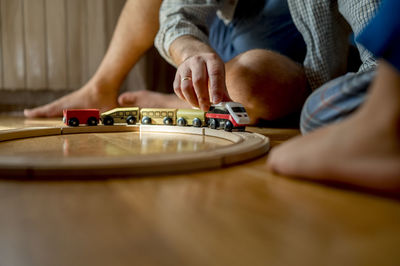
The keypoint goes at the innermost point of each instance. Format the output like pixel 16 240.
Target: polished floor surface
pixel 239 215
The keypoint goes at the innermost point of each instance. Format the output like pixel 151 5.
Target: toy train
pixel 225 115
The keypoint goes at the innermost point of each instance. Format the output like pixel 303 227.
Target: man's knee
pixel 268 83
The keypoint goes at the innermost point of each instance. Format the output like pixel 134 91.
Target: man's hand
pixel 200 78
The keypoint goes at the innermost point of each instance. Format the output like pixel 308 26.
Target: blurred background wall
pixel 51 47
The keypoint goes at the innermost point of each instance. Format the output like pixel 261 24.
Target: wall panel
pixel 76 43
pixel 35 44
pixel 13 50
pixel 96 33
pixel 1 47
pixel 56 43
pixel 113 10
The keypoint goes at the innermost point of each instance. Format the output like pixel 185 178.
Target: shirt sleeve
pixel 184 17
pixel 325 26
pixel 382 35
pixel 358 13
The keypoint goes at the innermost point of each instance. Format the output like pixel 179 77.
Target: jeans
pixel 335 100
pixel 272 29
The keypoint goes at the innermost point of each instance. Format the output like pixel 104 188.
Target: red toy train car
pixel 75 117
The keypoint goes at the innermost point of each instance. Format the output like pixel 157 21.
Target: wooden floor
pixel 241 215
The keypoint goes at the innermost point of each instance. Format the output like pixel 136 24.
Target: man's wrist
pixel 187 46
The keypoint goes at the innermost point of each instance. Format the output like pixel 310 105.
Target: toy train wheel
pixel 92 121
pixel 181 121
pixel 146 120
pixel 167 121
pixel 73 122
pixel 228 126
pixel 131 120
pixel 214 123
pixel 197 122
pixel 108 121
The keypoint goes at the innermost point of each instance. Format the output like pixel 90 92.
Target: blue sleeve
pixel 382 35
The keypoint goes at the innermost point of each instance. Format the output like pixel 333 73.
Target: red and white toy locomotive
pixel 228 115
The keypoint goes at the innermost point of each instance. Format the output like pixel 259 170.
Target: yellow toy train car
pixel 191 117
pixel 154 116
pixel 128 115
pixel 158 116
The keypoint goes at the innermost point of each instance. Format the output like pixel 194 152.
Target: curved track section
pixel 245 146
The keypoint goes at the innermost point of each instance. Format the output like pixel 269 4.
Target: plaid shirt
pixel 324 24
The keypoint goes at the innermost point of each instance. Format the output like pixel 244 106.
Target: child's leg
pixel 335 100
pixel 362 150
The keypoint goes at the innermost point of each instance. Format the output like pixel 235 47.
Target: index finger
pixel 216 79
pixel 199 78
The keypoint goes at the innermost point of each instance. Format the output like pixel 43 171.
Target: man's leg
pixel 134 35
pixel 362 150
pixel 268 84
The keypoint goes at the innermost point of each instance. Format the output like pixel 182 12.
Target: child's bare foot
pixel 89 96
pixel 151 99
pixel 353 152
pixel 363 150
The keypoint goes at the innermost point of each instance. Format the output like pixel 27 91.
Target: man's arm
pixel 182 40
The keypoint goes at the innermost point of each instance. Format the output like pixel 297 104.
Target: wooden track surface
pixel 147 149
pixel 239 215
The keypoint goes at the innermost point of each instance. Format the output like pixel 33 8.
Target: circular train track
pixel 240 147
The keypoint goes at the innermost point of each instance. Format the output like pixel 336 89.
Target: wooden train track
pixel 245 146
